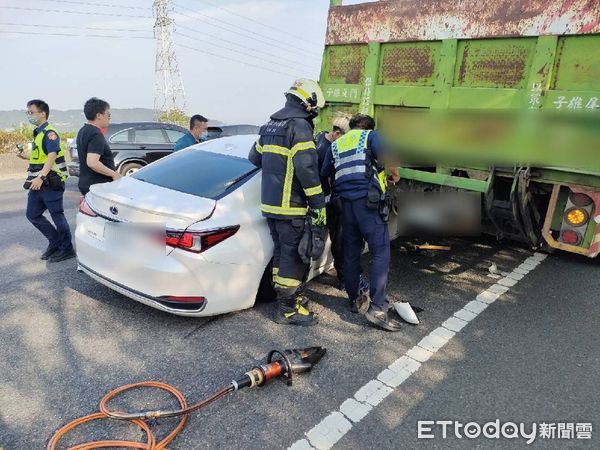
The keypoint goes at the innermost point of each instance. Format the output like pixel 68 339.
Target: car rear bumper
pixel 225 287
pixel 139 296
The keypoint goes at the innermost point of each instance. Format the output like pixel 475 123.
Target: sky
pixel 246 53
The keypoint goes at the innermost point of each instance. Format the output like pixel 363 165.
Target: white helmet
pixel 308 91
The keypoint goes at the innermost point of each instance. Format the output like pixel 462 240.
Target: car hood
pixel 136 201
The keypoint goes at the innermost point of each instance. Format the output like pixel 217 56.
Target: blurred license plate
pixel 145 241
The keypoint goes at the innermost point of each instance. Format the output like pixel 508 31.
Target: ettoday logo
pixel 432 429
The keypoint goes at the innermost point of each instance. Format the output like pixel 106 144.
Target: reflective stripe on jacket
pixel 354 163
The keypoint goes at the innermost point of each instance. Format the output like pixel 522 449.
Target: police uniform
pixel 50 195
pixel 353 158
pixel 286 153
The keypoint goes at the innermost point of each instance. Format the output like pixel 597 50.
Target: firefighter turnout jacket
pixel 286 153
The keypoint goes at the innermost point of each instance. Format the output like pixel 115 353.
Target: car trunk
pixel 135 201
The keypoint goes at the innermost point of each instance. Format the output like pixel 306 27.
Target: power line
pixel 62 11
pixel 73 2
pixel 40 25
pixel 266 25
pixel 296 62
pixel 147 38
pixel 270 43
pixel 277 63
pixel 287 48
pixel 74 35
pixel 237 61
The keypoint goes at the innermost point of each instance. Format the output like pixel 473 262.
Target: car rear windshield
pixel 201 173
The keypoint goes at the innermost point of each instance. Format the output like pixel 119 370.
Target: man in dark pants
pixel 355 158
pixel 46 184
pixel 290 188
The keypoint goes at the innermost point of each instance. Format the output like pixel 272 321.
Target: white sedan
pixel 185 234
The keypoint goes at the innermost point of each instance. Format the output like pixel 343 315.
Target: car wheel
pixel 266 292
pixel 129 168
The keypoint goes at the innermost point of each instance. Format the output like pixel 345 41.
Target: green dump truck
pixel 500 98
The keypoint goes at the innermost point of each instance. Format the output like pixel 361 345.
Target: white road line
pixel 332 428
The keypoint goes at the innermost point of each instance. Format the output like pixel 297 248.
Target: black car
pixel 136 144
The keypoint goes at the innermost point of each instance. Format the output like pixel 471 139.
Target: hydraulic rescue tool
pixel 284 363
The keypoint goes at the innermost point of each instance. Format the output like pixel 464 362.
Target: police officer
pixel 46 184
pixel 291 190
pixel 360 181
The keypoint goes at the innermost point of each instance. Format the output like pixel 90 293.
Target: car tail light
pixel 199 241
pixel 571 237
pixel 84 208
pixel 576 216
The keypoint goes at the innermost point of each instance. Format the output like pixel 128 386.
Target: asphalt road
pixel 531 356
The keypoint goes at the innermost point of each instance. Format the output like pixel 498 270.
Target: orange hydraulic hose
pixel 151 443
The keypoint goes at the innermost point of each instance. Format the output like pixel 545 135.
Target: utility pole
pixel 169 95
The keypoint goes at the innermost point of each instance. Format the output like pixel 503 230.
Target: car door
pixel 152 141
pixel 174 134
pixel 120 139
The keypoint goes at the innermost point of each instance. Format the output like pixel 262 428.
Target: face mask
pixel 314 112
pixel 32 120
pixel 203 136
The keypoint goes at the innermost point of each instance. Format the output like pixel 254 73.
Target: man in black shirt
pixel 96 162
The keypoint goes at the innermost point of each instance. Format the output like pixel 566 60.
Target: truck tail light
pixel 576 216
pixel 199 241
pixel 580 199
pixel 571 237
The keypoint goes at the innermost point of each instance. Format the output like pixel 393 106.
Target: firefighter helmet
pixel 308 91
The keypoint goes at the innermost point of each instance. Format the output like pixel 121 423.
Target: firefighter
pixel 360 181
pixel 291 191
pixel 46 184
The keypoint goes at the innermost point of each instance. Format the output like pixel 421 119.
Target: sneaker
pixel 381 320
pixel 48 252
pixel 298 315
pixel 360 304
pixel 62 255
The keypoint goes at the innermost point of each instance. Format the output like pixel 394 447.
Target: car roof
pixel 238 145
pixel 122 125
